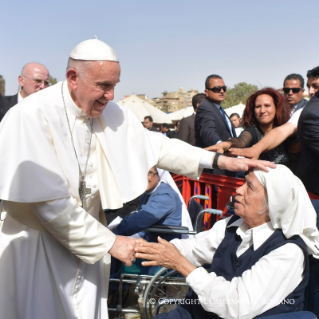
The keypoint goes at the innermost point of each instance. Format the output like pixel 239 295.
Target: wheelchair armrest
pixel 167 229
pixel 201 197
pixel 202 212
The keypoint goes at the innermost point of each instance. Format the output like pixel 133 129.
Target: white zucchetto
pixel 93 50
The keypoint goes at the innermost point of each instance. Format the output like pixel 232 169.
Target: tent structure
pixel 239 108
pixel 178 115
pixel 141 109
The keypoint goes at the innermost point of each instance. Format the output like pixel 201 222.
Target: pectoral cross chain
pixel 83 191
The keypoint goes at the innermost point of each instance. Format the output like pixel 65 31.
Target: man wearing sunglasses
pixel 305 123
pixel 294 90
pixel 212 124
pixel 34 77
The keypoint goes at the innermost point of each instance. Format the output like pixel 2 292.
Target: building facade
pixel 174 101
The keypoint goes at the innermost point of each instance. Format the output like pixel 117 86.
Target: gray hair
pixel 81 65
pixel 265 207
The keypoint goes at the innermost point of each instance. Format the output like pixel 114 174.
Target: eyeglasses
pixel 217 89
pixel 150 173
pixel 294 90
pixel 38 81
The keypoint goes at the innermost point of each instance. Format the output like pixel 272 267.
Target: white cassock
pixel 54 260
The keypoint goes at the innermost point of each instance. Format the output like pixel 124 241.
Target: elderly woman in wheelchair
pixel 258 258
pixel 160 205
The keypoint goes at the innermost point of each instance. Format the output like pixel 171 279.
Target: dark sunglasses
pixel 217 89
pixel 294 90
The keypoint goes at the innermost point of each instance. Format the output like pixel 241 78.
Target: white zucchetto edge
pixel 93 50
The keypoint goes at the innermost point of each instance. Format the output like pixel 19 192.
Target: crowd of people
pixel 271 127
pixel 69 154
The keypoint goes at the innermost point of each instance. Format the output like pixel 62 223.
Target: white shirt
pixel 238 130
pixel 259 289
pixel 20 98
pixel 295 117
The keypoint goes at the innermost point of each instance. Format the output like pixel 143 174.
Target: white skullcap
pixel 93 50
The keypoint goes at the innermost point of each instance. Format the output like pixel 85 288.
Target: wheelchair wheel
pixel 166 284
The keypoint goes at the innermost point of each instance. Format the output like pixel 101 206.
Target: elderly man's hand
pixel 164 254
pixel 123 249
pixel 242 164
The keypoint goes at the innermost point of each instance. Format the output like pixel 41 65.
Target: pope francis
pixel 67 153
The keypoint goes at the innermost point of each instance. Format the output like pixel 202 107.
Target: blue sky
pixel 164 45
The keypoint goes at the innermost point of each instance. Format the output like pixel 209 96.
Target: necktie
pixel 225 119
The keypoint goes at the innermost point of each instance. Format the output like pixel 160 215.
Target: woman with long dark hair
pixel 265 110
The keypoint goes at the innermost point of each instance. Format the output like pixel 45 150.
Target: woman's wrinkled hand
pixel 163 254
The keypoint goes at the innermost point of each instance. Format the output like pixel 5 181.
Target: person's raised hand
pixel 249 152
pixel 163 254
pixel 123 250
pixel 219 148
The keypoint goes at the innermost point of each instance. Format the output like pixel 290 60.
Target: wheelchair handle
pixel 209 211
pixel 202 197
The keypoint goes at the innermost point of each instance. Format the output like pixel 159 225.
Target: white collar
pixel 20 98
pixel 69 103
pixel 258 234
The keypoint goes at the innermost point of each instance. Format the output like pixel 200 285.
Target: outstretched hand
pixel 163 254
pixel 243 164
pixel 219 148
pixel 123 250
pixel 248 152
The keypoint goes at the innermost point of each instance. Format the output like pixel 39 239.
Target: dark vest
pixel 228 265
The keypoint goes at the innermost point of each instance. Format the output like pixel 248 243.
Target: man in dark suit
pixel 212 124
pixel 166 131
pixel 308 131
pixel 186 131
pixel 148 123
pixel 294 90
pixel 34 77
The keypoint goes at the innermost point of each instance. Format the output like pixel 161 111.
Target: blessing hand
pixel 242 164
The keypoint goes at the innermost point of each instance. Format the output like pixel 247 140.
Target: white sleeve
pixel 295 117
pixel 74 228
pixel 259 289
pixel 201 248
pixel 206 160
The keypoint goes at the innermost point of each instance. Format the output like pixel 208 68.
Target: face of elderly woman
pixel 251 202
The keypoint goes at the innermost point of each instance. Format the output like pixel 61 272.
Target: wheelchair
pixel 165 290
pixel 165 283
